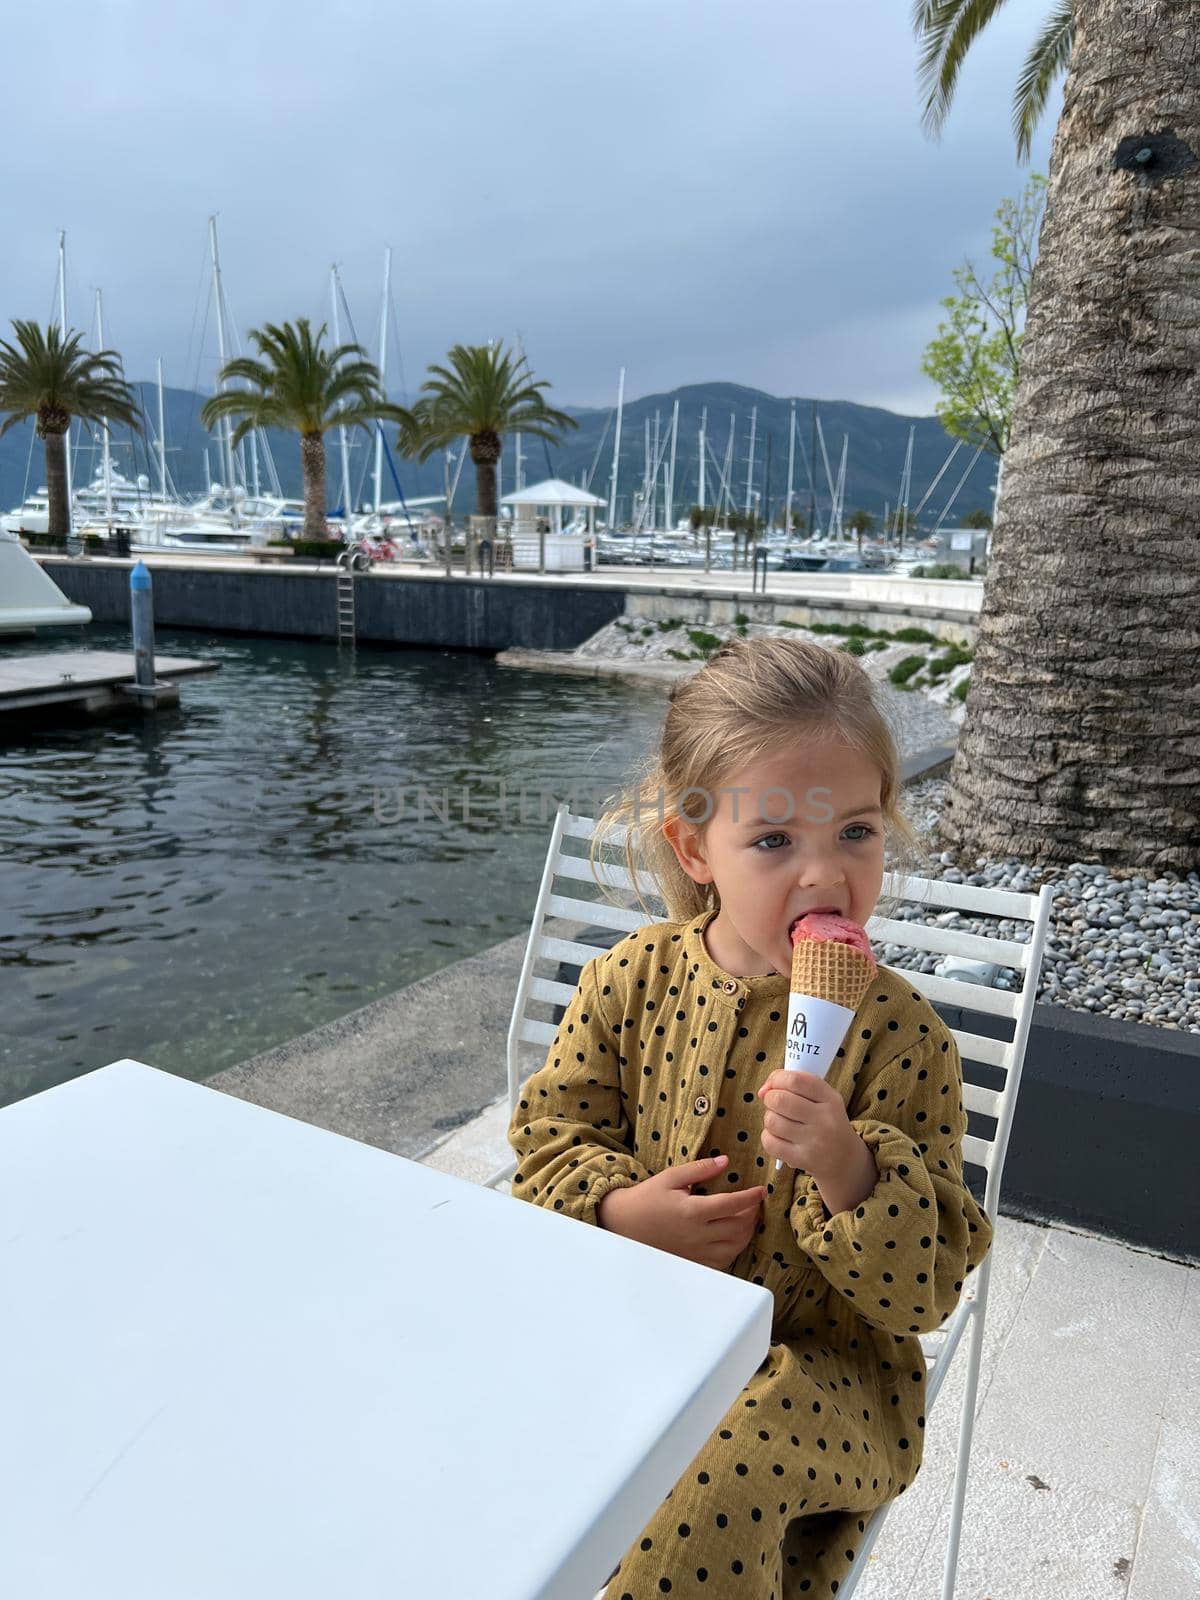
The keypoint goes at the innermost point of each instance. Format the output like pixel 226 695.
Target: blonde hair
pixel 749 695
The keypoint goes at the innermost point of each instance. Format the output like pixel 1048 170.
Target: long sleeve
pixel 901 1257
pixel 571 1137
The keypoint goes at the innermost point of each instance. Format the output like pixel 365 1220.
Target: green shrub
pixel 903 670
pixel 785 623
pixel 680 655
pixel 877 644
pixel 666 624
pixel 94 544
pixel 959 691
pixel 853 647
pixel 939 569
pixel 859 630
pixel 915 636
pixel 741 619
pixel 317 549
pixel 704 642
pixel 646 632
pixel 954 657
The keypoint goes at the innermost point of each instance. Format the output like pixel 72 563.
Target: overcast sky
pixel 694 189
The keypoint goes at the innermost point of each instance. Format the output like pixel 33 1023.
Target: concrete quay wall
pixel 424 611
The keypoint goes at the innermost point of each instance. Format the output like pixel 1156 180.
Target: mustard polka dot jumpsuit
pixel 657 1061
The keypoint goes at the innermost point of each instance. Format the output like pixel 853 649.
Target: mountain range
pixel 876 443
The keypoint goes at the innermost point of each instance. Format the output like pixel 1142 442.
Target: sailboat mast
pixel 612 488
pixel 787 514
pixel 841 495
pixel 105 445
pixel 750 460
pixel 162 436
pixel 62 325
pixel 337 339
pixel 226 425
pixel 383 314
pixel 703 447
pixel 905 483
pixel 670 517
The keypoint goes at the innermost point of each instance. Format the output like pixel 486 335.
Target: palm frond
pixel 1049 56
pixel 47 372
pixel 479 389
pixel 295 382
pixel 946 30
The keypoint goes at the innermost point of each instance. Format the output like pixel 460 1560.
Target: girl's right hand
pixel 712 1229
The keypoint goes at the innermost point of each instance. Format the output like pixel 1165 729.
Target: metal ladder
pixel 345 607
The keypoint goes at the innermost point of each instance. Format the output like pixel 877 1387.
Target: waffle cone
pixel 831 971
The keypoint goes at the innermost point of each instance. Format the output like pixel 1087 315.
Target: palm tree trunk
pixel 485 488
pixel 312 467
pixel 59 513
pixel 1081 740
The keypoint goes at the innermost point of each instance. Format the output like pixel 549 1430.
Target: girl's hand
pixel 806 1123
pixel 712 1229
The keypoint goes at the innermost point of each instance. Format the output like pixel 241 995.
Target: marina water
pixel 199 885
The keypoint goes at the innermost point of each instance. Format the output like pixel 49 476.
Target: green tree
pixel 50 378
pixel 975 357
pixel 483 393
pixel 946 30
pixel 861 522
pixel 977 519
pixel 296 383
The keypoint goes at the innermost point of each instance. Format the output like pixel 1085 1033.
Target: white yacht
pixel 31 516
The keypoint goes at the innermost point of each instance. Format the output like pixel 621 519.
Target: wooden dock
pixel 91 682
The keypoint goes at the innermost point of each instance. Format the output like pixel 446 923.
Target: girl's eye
pixel 864 829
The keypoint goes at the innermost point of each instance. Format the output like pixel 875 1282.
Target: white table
pixel 242 1358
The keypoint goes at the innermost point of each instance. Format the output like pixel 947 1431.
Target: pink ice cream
pixel 822 927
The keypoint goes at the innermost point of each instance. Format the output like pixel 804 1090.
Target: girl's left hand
pixel 806 1122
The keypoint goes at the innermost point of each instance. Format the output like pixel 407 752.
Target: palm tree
pixel 1082 728
pixel 483 393
pixel 49 377
pixel 296 383
pixel 948 28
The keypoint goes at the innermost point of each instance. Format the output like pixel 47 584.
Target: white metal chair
pixel 566 891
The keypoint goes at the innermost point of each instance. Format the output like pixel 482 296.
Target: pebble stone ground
pixel 1121 943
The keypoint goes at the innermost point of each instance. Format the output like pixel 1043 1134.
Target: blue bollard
pixel 141 599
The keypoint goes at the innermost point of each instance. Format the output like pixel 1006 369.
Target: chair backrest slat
pixel 601 911
pixel 978 1047
pixel 580 868
pixel 954 992
pixel 949 941
pixel 571 866
pixel 950 896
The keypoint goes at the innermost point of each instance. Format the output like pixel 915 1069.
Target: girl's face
pixel 798 831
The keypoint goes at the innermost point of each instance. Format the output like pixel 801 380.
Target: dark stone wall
pixel 456 613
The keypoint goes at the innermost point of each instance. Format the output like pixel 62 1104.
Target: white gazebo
pixel 538 525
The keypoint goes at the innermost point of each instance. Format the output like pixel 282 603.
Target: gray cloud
pixel 694 190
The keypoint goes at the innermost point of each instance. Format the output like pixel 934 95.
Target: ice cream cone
pixel 832 969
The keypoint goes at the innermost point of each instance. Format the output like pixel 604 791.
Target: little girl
pixel 663 1104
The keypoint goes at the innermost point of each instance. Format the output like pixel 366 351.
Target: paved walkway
pixel 1085 1470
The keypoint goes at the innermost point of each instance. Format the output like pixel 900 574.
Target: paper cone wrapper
pixel 828 983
